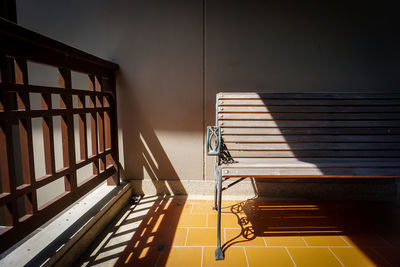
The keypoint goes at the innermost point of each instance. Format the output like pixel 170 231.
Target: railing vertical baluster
pixel 26 142
pixel 82 129
pixel 112 134
pixel 93 124
pixel 48 135
pixel 100 123
pixel 67 129
pixel 12 207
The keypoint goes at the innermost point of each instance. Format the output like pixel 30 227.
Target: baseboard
pixel 329 189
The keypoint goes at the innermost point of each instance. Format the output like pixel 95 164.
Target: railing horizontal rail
pixel 21 114
pixel 51 90
pixel 77 129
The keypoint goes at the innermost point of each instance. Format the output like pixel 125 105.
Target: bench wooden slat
pixel 301 102
pixel 311 131
pixel 314 154
pixel 312 146
pixel 307 124
pixel 315 171
pixel 308 95
pixel 326 164
pixel 277 161
pixel 310 138
pixel 309 116
pixel 309 109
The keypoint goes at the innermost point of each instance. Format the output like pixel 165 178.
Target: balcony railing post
pixel 109 85
pixel 67 128
pixel 11 209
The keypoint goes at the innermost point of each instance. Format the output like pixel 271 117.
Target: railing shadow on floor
pixel 152 240
pixel 141 236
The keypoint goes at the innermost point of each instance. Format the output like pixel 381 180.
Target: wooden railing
pixel 78 109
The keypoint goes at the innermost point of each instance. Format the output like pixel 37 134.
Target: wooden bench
pixel 320 135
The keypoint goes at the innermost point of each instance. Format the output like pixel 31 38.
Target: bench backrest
pixel 309 125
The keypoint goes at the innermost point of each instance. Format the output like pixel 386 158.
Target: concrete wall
pixel 176 55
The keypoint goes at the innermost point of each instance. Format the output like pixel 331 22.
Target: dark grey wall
pixel 176 55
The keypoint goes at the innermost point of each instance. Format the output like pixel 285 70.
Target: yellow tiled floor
pixel 313 257
pixel 182 232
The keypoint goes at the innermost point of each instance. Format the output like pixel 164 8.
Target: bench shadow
pixel 370 226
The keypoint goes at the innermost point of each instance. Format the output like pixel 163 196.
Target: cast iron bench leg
pixel 217 173
pixel 219 255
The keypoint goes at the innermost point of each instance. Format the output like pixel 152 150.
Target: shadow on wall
pixel 142 147
pixel 334 130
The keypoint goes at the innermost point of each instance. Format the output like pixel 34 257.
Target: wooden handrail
pixel 14 31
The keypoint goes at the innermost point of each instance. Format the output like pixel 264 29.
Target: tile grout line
pixel 187 234
pixel 224 234
pixel 345 241
pixel 336 256
pixel 305 241
pixel 385 240
pixel 270 246
pixel 290 255
pixel 381 256
pixel 198 227
pixel 202 255
pixel 158 259
pixel 245 256
pixel 265 242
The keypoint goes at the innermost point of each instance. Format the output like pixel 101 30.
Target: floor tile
pixel 366 240
pixel 260 257
pixel 236 237
pixel 146 256
pixel 355 257
pixel 330 240
pixel 203 237
pixel 168 237
pixel 192 220
pixel 391 255
pixel 203 208
pixel 181 256
pixel 393 238
pixel 233 257
pixel 174 233
pixel 179 207
pixel 287 241
pixel 227 220
pixel 309 257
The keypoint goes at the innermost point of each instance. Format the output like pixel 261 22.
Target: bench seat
pixel 303 135
pixel 366 169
